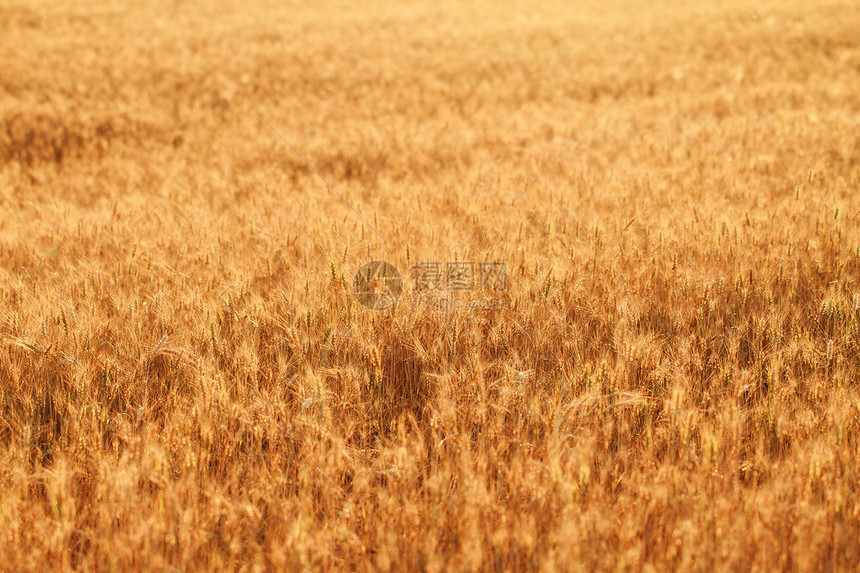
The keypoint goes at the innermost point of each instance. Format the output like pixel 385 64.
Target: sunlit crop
pixel 668 381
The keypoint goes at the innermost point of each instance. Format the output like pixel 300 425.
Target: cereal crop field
pixel 626 334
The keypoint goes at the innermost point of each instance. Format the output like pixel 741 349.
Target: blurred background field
pixel 187 381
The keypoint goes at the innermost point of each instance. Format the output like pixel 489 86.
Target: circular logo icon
pixel 377 285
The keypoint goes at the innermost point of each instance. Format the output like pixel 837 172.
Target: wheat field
pixel 189 381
